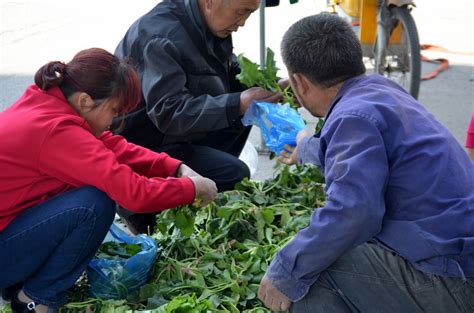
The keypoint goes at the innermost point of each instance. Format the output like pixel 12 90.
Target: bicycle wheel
pixel 400 58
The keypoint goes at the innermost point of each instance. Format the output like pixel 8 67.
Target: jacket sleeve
pixel 308 151
pixel 170 105
pixel 73 155
pixel 356 174
pixel 142 160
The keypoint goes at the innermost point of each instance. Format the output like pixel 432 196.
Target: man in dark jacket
pixel 192 104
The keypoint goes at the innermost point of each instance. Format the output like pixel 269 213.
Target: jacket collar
pixel 192 9
pixel 344 88
pixel 55 92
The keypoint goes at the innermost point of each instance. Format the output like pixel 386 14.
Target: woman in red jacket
pixel 62 173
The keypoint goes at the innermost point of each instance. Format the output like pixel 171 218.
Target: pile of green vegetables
pixel 213 258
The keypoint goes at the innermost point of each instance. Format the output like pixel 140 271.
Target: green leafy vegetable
pixel 266 78
pixel 114 250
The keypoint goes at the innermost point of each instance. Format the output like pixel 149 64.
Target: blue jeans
pixel 49 245
pixel 371 279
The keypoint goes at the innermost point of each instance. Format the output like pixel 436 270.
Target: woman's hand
pixel 206 190
pixel 185 171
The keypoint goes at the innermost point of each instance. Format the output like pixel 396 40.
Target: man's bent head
pixel 223 17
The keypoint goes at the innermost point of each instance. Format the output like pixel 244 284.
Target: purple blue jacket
pixel 393 174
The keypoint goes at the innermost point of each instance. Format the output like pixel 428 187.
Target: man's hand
pixel 206 190
pixel 272 297
pixel 288 155
pixel 283 83
pixel 257 93
pixel 185 171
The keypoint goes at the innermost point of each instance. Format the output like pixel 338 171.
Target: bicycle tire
pixel 396 57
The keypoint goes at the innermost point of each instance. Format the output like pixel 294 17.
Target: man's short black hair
pixel 324 48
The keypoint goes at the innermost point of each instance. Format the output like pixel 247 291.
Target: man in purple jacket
pixel 397 231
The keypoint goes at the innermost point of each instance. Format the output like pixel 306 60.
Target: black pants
pixel 215 157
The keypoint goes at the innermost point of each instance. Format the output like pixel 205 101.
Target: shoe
pixel 138 223
pixel 22 307
pixel 9 292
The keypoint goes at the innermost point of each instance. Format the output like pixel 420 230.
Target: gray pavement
pixel 33 32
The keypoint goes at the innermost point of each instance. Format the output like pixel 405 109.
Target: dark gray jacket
pixel 187 75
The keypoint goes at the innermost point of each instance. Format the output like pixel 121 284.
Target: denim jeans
pixel 49 245
pixel 371 279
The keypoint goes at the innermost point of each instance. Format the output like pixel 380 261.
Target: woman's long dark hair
pixel 96 72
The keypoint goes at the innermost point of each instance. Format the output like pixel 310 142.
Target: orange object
pixel 368 22
pixel 351 7
pixel 443 63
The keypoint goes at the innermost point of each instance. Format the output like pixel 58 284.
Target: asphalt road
pixel 33 32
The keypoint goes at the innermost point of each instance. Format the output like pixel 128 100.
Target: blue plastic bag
pixel 279 124
pixel 115 279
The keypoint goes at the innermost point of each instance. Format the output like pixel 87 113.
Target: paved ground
pixel 34 32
